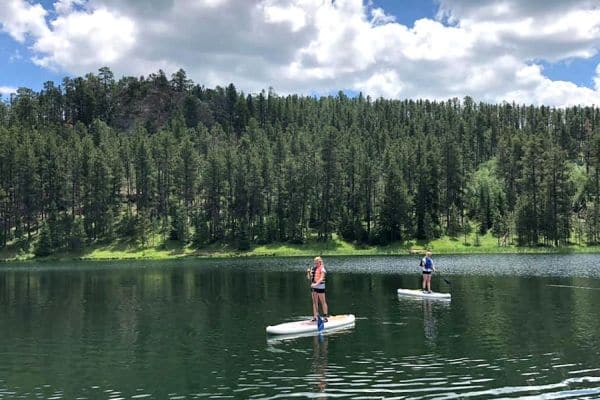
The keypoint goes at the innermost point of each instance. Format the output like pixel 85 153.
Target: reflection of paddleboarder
pixel 320 362
pixel 429 323
pixel 316 275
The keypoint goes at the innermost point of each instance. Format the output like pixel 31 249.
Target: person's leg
pixel 424 281
pixel 314 304
pixel 429 282
pixel 324 307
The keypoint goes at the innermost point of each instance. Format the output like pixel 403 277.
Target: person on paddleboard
pixel 316 275
pixel 428 268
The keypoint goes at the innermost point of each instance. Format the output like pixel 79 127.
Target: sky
pixel 530 52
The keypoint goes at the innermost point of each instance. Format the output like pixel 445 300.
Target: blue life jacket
pixel 428 264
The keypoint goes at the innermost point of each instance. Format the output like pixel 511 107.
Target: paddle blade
pixel 320 324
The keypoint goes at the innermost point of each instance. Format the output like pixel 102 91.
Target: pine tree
pixel 145 173
pixel 329 198
pixel 528 210
pixel 393 213
pixel 453 182
pixel 28 189
pixel 43 246
pixel 143 228
pixel 213 186
pixel 593 192
pixel 4 223
pixel 179 229
pixel 558 190
pixel 77 237
pixel 201 234
pixel 187 171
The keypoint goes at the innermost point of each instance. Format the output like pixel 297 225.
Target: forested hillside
pixel 98 160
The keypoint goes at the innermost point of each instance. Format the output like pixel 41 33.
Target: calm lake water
pixel 517 327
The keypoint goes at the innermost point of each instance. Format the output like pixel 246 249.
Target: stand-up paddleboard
pixel 425 295
pixel 273 339
pixel 308 326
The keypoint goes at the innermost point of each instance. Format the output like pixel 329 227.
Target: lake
pixel 517 326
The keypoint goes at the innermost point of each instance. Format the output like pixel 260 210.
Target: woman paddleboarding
pixel 316 275
pixel 428 268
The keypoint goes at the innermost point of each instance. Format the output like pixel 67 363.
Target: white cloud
pixel 489 50
pixel 66 6
pixel 19 18
pixel 79 41
pixel 295 16
pixel 458 10
pixel 378 16
pixel 387 83
pixel 7 90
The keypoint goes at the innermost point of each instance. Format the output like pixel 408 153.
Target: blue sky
pixel 17 70
pixel 576 70
pixel 517 52
pixel 408 11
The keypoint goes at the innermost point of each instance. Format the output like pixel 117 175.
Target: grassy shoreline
pixel 171 251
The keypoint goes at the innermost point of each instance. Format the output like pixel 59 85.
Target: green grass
pixel 488 244
pixel 160 250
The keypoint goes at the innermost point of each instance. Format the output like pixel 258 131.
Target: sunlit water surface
pixel 516 327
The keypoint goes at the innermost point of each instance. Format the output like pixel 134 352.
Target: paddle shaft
pixel 445 280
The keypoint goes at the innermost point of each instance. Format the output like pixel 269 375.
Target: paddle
pixel 445 280
pixel 320 324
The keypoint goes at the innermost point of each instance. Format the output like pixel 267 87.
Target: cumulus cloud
pixel 490 50
pixel 66 6
pixel 80 40
pixel 378 16
pixel 7 90
pixel 19 19
pixel 459 10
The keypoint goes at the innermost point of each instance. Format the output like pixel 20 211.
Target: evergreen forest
pixel 95 159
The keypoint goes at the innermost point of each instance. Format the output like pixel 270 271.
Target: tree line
pixel 98 160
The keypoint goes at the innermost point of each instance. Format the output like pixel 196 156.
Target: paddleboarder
pixel 428 268
pixel 316 275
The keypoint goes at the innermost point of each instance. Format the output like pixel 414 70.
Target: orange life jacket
pixel 318 275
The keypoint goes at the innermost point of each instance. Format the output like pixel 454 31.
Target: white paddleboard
pixel 273 339
pixel 308 326
pixel 420 293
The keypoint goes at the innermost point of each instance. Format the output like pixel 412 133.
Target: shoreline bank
pixel 172 251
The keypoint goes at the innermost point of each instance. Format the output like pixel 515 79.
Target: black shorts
pixel 318 290
pixel 426 272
